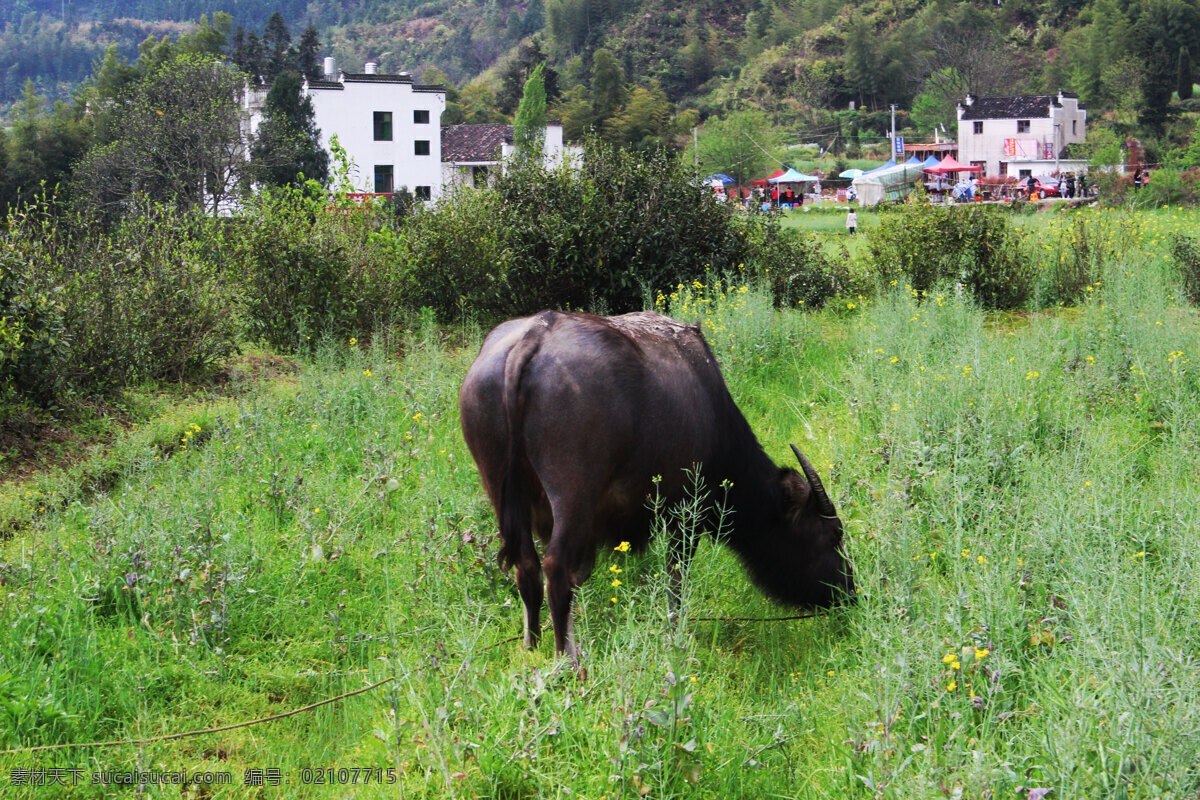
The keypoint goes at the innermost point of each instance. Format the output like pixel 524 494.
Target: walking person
pixel 851 222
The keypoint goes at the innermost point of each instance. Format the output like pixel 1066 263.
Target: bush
pixel 90 311
pixel 792 264
pixel 976 245
pixel 306 270
pixel 32 335
pixel 1185 252
pixel 602 235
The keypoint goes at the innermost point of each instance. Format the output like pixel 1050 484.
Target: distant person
pixel 851 222
pixel 1083 187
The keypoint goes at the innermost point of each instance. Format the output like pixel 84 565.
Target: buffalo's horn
pixel 824 504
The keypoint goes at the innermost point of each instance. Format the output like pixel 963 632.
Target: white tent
pixel 892 183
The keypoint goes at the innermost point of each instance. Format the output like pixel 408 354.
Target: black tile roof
pixel 369 77
pixel 1021 106
pixel 475 142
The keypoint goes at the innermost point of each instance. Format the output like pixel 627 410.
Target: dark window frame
pixel 423 192
pixel 417 147
pixel 421 116
pixel 1023 126
pixel 978 128
pixel 381 125
pixel 387 172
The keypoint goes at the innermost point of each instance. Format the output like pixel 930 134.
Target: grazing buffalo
pixel 571 417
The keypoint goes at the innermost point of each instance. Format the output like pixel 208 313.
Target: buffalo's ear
pixel 795 493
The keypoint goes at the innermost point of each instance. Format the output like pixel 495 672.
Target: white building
pixel 1021 135
pixel 390 128
pixel 472 153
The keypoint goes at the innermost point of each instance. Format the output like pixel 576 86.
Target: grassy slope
pixel 1020 498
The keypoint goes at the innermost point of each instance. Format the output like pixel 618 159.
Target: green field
pixel 1022 512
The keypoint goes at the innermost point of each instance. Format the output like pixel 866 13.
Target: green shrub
pixel 453 256
pixel 150 301
pixel 89 311
pixel 1185 252
pixel 1075 252
pixel 306 270
pixel 978 246
pixel 603 235
pixel 32 334
pixel 792 264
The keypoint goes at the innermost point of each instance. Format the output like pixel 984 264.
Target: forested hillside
pixel 643 72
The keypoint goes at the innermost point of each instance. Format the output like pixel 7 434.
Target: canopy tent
pixel 932 161
pixel 892 183
pixel 719 178
pixel 792 176
pixel 914 160
pixel 774 174
pixel 851 174
pixel 951 164
pixel 888 165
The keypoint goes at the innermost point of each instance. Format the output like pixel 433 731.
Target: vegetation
pixel 643 75
pixel 1021 512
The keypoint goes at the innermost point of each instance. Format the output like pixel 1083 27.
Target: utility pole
pixel 1057 125
pixel 696 145
pixel 893 128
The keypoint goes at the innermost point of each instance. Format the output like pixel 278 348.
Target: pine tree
pixel 1185 73
pixel 308 55
pixel 529 127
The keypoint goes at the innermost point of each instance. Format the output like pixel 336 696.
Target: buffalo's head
pixel 800 561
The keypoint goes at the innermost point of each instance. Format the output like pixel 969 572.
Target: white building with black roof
pixel 1021 135
pixel 389 126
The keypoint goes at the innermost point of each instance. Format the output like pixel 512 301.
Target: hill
pixel 803 63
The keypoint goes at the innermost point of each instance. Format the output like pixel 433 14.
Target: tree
pixel 308 55
pixel 643 124
pixel 176 140
pixel 529 127
pixel 288 144
pixel 514 75
pixel 1185 85
pixel 607 84
pixel 277 47
pixel 734 145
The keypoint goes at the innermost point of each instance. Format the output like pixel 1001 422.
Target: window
pixel 383 126
pixel 479 176
pixel 982 168
pixel 978 126
pixel 421 117
pixel 423 192
pixel 384 179
pixel 421 147
pixel 1074 131
pixel 1003 169
pixel 1025 173
pixel 1022 126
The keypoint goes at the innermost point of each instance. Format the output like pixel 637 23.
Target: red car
pixel 1047 187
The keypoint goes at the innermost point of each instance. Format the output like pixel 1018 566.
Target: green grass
pixel 1021 504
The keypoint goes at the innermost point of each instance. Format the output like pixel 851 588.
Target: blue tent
pixel 890 163
pixel 913 160
pixel 792 176
pixel 932 161
pixel 719 177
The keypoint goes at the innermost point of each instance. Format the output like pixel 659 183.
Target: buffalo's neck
pixel 753 495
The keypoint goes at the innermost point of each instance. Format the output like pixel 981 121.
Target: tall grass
pixel 1020 500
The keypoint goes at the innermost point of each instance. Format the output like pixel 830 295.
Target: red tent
pixel 774 174
pixel 950 164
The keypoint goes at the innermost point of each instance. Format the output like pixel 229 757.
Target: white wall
pixel 988 146
pixel 349 113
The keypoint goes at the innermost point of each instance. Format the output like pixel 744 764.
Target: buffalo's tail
pixel 516 527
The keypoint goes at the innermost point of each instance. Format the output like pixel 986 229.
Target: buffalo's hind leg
pixel 529 584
